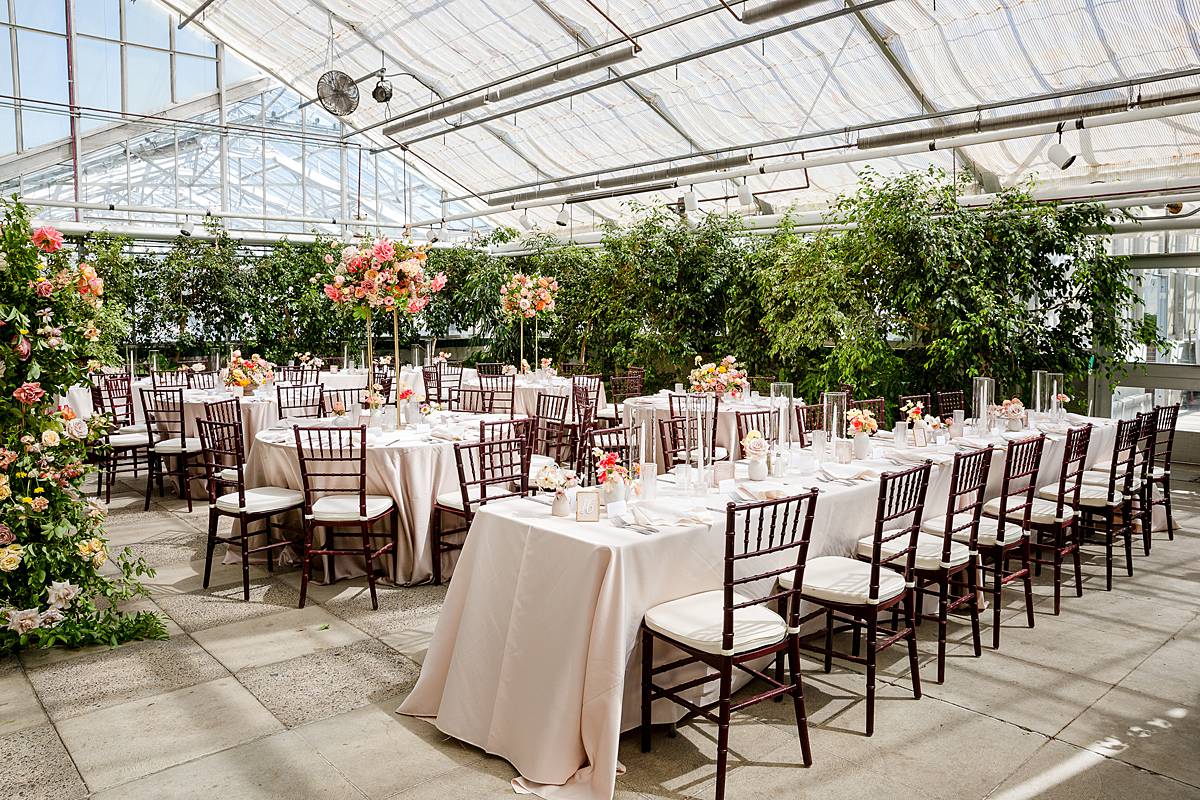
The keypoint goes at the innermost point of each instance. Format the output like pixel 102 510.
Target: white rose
pixel 77 429
pixel 50 617
pixel 24 621
pixel 50 438
pixel 61 594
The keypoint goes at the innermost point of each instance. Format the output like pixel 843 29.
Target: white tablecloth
pixel 409 466
pixel 536 655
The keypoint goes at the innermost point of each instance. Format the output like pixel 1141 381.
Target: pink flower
pixel 328 258
pixel 23 348
pixel 44 288
pixel 39 504
pixel 417 304
pixel 439 282
pixel 6 535
pixel 29 393
pixel 383 250
pixel 47 239
pixel 332 292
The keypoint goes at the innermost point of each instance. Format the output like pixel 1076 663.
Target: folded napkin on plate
pixel 853 472
pixel 919 455
pixel 882 434
pixel 1053 427
pixel 755 491
pixel 449 435
pixel 655 516
pixel 978 442
pixel 1018 436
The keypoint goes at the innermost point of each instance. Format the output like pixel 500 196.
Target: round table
pixel 411 466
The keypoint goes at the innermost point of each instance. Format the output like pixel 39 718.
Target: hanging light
pixel 745 196
pixel 188 228
pixel 564 216
pixel 690 204
pixel 1058 154
pixel 525 220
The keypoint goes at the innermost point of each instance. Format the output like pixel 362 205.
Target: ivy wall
pixel 909 292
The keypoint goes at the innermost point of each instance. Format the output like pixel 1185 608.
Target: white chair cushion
pixel 451 499
pixel 988 529
pixel 344 507
pixel 609 412
pixel 138 428
pixel 1089 496
pixel 844 580
pixel 188 445
pixel 128 440
pixel 229 474
pixel 1105 466
pixel 262 499
pixel 536 462
pixel 1044 512
pixel 697 621
pixel 929 551
pixel 1095 477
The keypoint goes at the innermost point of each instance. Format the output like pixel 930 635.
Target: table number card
pixel 920 437
pixel 587 505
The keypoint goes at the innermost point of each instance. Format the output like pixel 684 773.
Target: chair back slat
pixel 1021 466
pixel 348 399
pixel 118 399
pixel 1074 464
pixel 765 421
pixel 585 396
pixel 950 401
pixel 571 369
pixel 1166 418
pixel 1124 455
pixel 489 368
pixel 491 470
pixel 303 401
pixel 168 379
pixel 809 418
pixel 968 487
pixel 499 393
pixel 333 460
pixel 901 497
pixel 222 447
pixel 164 413
pixel 776 532
pixel 225 411
pixel 876 406
pixel 204 379
pixel 701 409
pixel 301 374
pixel 924 399
pixel 551 437
pixel 623 387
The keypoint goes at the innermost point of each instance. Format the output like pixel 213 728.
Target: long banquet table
pixel 536 656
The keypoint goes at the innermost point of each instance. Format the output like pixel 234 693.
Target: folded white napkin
pixel 919 455
pixel 1018 436
pixel 854 472
pixel 881 434
pixel 978 442
pixel 1053 427
pixel 755 491
pixel 448 434
pixel 656 516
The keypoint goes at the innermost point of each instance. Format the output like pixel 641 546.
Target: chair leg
pixel 306 562
pixel 973 588
pixel 723 725
pixel 1027 581
pixel 911 636
pixel 366 544
pixel 149 482
pixel 943 613
pixel 798 698
pixel 1108 555
pixel 782 610
pixel 245 558
pixel 435 544
pixel 1127 528
pixel 647 667
pixel 828 640
pixel 1077 556
pixel 1147 515
pixel 213 519
pixel 1060 543
pixel 872 623
pixel 395 547
pixel 997 592
pixel 1166 487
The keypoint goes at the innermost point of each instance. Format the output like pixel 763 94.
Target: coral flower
pixel 47 239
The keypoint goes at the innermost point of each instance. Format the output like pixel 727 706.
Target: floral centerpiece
pixel 52 542
pixel 248 374
pixel 527 297
pixel 553 478
pixel 913 411
pixel 376 275
pixel 861 420
pixel 1012 412
pixel 611 475
pixel 307 359
pixel 546 365
pixel 440 358
pixel 726 377
pixel 756 448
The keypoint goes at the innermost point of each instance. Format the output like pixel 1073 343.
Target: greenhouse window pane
pixel 194 77
pixel 237 70
pixel 145 24
pixel 43 14
pixel 39 128
pixel 99 78
pixel 99 18
pixel 189 40
pixel 43 66
pixel 8 131
pixel 149 80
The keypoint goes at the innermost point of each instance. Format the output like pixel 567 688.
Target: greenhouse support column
pixel 395 352
pixel 73 103
pixel 224 136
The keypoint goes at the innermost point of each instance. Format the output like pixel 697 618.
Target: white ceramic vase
pixel 862 445
pixel 562 505
pixel 613 492
pixel 758 469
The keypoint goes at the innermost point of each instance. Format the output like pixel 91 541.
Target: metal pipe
pixel 72 98
pixel 199 9
pixel 665 24
pixel 745 40
pixel 1099 121
pixel 170 234
pixel 846 130
pixel 774 8
pixel 542 81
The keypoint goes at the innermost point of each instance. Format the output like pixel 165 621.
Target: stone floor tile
pixel 490 778
pixel 107 678
pixel 19 705
pixel 120 743
pixel 181 578
pixel 414 640
pixel 224 604
pixel 36 766
pixel 329 682
pixel 276 637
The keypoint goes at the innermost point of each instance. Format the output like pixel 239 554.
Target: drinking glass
pixel 1039 392
pixel 1055 383
pixel 781 437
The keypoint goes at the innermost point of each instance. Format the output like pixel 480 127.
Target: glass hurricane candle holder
pixel 836 404
pixel 1039 391
pixel 782 399
pixel 983 397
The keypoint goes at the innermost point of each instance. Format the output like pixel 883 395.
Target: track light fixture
pixel 564 216
pixel 526 220
pixel 745 196
pixel 382 92
pixel 690 204
pixel 1058 154
pixel 188 228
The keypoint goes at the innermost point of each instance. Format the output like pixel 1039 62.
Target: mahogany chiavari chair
pixel 300 402
pixel 300 374
pixel 809 417
pixel 167 443
pixel 950 401
pixel 1052 528
pixel 333 472
pixel 853 591
pixel 583 408
pixel 551 434
pixel 946 550
pixel 620 389
pixel 488 470
pixel 569 370
pixel 224 467
pixel 710 409
pixel 499 393
pixel 1107 510
pixel 384 382
pixel 673 440
pixel 228 412
pixel 593 384
pixel 848 388
pixel 118 404
pixel 489 368
pixel 765 421
pixel 349 399
pixel 1160 470
pixel 726 629
pixel 205 379
pixel 621 441
pixel 169 379
pixel 924 399
pixel 121 446
pixel 876 406
pixel 442 383
pixel 1007 538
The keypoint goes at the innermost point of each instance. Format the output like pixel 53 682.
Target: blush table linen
pixel 536 656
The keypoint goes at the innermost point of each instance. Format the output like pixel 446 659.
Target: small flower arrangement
pixel 404 394
pixel 913 411
pixel 509 369
pixel 198 367
pixel 1062 398
pixel 936 423
pixel 441 358
pixel 248 372
pixel 861 420
pixel 338 408
pixel 428 408
pixel 307 358
pixel 545 363
pixel 525 296
pixel 553 478
pixel 374 397
pixel 755 446
pixel 1009 409
pixel 725 377
pixel 609 468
